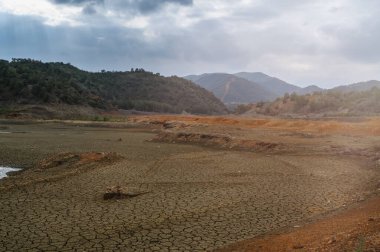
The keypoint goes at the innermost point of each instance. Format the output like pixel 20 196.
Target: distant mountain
pixel 193 77
pixel 232 89
pixel 25 81
pixel 360 86
pixel 275 85
pixel 245 87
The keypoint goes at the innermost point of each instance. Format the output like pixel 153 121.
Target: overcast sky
pixel 303 42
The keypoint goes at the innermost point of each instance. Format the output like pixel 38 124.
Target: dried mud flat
pixel 250 181
pixel 354 229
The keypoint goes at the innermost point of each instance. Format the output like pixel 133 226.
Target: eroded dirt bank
pixel 355 126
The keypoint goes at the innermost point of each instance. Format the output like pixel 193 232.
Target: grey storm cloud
pixel 89 10
pixel 88 5
pixel 303 42
pixel 360 44
pixel 85 47
pixel 146 6
pixel 142 6
pixel 76 2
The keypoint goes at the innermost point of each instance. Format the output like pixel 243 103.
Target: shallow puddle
pixel 5 170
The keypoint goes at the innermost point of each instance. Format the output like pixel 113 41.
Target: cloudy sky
pixel 306 42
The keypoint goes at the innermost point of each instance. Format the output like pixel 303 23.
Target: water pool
pixel 5 170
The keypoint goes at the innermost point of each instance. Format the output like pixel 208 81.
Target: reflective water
pixel 5 170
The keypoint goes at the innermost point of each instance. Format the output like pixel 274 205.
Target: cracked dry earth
pixel 199 198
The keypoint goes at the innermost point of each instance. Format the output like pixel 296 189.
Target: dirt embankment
pixel 191 129
pixel 217 140
pixel 59 166
pixel 363 126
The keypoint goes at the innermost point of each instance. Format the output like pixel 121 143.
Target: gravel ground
pixel 199 198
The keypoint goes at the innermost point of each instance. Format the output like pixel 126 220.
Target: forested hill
pixel 25 81
pixel 335 103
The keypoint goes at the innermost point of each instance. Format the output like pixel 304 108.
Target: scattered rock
pixel 117 193
pixel 332 240
pixel 298 246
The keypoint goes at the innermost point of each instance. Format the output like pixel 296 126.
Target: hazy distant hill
pixel 232 89
pixel 360 86
pixel 245 87
pixel 275 85
pixel 24 81
pixel 194 77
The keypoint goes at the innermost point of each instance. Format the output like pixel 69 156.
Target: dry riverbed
pixel 197 195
